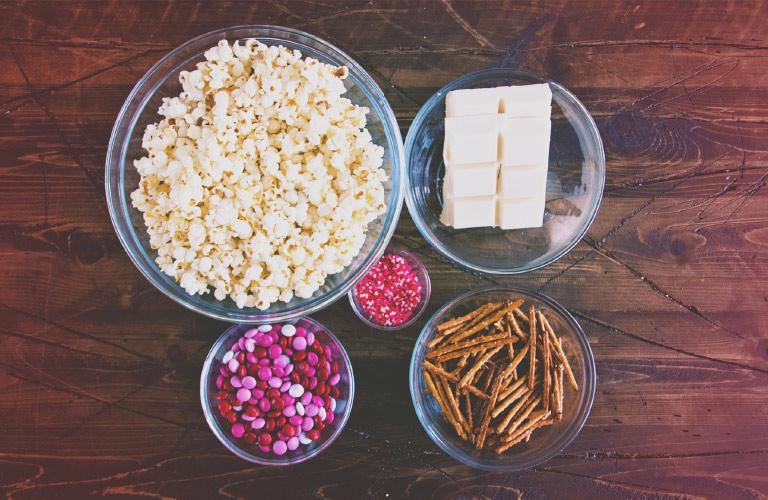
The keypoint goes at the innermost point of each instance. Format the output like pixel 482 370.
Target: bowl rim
pixel 600 167
pixel 426 293
pixel 589 368
pixel 220 434
pixel 118 206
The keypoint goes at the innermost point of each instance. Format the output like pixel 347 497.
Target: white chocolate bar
pixel 476 211
pixel 525 141
pixel 518 213
pixel 522 182
pixel 471 180
pixel 527 100
pixel 468 102
pixel 471 139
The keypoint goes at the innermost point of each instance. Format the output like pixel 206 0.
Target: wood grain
pixel 99 371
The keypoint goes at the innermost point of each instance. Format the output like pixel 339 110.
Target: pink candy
pixel 238 430
pixel 299 343
pixel 243 395
pixel 233 365
pixel 279 447
pixel 293 443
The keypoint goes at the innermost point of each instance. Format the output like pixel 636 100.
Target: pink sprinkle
pixel 390 292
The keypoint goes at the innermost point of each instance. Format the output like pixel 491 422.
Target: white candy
pixel 288 330
pixel 265 328
pixel 296 390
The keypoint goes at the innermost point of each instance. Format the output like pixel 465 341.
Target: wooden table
pixel 100 371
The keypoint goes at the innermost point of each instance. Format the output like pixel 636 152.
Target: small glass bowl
pixel 140 109
pixel 426 291
pixel 546 442
pixel 575 182
pixel 252 453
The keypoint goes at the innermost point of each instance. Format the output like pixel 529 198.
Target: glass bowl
pixel 426 291
pixel 252 453
pixel 546 442
pixel 140 109
pixel 575 182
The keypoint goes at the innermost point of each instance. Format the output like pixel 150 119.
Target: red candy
pixel 265 439
pixel 390 292
pixel 250 438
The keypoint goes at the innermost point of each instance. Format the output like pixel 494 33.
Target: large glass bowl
pixel 252 453
pixel 546 442
pixel 140 109
pixel 575 182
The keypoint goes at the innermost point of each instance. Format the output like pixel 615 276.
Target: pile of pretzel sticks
pixel 497 374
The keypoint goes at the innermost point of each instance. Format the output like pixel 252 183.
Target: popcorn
pixel 261 179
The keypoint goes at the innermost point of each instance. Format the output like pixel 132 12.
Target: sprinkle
pixel 390 292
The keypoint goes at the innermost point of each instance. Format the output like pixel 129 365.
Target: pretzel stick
pixel 513 396
pixel 526 412
pixel 559 406
pixel 441 403
pixel 508 332
pixel 487 311
pixel 547 384
pixel 460 365
pixel 468 405
pixel 461 319
pixel 518 331
pixel 504 447
pixel 533 420
pixel 488 378
pixel 453 404
pixel 444 332
pixel 487 414
pixel 460 354
pixel 512 367
pixel 560 353
pixel 513 387
pixel 451 417
pixel 512 412
pixel 449 376
pixel 464 345
pixel 520 314
pixel 471 351
pixel 486 322
pixel 532 349
pixel 480 362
